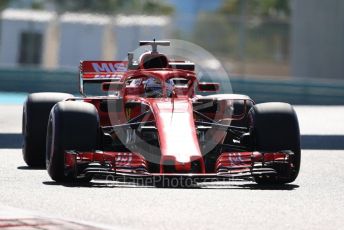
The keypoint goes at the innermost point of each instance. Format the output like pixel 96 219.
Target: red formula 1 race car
pixel 153 125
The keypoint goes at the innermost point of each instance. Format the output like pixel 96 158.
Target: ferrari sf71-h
pixel 154 123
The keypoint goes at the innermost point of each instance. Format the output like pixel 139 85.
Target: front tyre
pixel 72 126
pixel 275 127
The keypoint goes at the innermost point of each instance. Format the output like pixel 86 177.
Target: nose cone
pixel 177 135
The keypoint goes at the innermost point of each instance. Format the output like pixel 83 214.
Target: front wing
pixel 129 166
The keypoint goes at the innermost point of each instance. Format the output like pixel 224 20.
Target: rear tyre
pixel 34 125
pixel 275 128
pixel 72 126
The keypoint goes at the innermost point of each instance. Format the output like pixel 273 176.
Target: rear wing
pixel 100 71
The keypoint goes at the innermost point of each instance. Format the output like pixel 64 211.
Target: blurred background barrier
pixel 294 91
pixel 36 80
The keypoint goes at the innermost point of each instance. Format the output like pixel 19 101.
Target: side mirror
pixel 112 86
pixel 208 87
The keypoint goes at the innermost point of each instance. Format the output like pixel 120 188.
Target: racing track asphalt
pixel 314 201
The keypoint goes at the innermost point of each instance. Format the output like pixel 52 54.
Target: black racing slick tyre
pixel 36 111
pixel 275 127
pixel 72 125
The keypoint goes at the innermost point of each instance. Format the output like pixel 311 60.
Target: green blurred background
pixel 273 49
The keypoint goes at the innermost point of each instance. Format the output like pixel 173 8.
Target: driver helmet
pixel 153 87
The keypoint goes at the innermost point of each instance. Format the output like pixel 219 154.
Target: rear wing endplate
pixel 100 71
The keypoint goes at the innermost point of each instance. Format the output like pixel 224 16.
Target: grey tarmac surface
pixel 314 201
